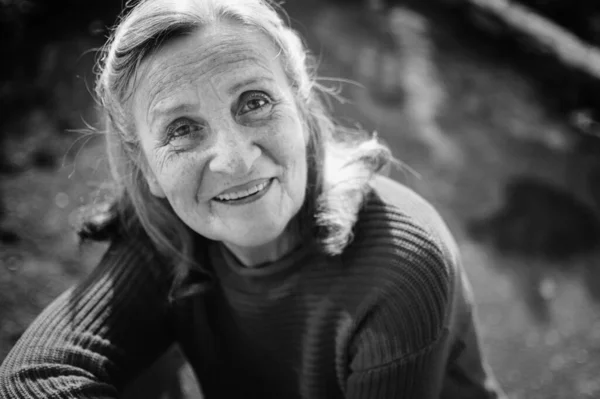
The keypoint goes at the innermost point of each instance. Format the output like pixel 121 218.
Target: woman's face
pixel 222 135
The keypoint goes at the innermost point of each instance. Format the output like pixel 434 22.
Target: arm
pixel 417 375
pixel 97 336
pixel 400 347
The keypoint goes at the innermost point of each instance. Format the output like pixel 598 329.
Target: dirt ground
pixel 460 118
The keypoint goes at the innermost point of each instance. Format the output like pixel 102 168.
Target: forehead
pixel 217 55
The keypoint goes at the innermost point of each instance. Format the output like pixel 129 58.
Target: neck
pixel 269 252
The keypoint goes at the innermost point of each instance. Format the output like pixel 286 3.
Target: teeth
pixel 242 193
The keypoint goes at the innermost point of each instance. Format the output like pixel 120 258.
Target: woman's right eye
pixel 182 128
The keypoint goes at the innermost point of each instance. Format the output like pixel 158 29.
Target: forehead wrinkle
pixel 170 71
pixel 216 82
pixel 167 78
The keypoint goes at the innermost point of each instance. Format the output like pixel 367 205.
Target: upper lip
pixel 242 187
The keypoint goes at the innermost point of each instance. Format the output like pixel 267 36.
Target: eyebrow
pixel 248 82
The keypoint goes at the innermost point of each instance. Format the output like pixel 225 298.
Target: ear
pixel 153 184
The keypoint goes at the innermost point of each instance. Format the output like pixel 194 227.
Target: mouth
pixel 246 195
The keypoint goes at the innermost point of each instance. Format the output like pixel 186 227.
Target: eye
pixel 182 128
pixel 254 101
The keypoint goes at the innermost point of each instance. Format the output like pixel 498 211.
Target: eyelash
pixel 255 95
pixel 171 132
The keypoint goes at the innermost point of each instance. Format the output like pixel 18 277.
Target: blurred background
pixel 491 105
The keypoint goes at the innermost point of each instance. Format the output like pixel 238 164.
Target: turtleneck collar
pixel 261 278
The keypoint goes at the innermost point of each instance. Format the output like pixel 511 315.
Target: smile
pixel 247 195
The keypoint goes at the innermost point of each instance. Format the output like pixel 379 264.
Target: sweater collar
pixel 278 275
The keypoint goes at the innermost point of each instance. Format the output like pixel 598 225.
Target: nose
pixel 235 151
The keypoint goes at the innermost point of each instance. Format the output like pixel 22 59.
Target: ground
pixel 463 122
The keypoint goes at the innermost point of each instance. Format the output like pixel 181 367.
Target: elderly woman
pixel 251 231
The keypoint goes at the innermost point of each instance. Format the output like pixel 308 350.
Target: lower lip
pixel 251 198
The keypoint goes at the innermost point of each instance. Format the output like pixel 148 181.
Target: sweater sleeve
pixel 95 337
pixel 417 375
pixel 400 347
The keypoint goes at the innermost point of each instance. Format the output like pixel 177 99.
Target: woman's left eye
pixel 254 101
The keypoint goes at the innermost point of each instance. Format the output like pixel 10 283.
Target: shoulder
pixel 129 264
pixel 394 200
pixel 407 262
pixel 396 219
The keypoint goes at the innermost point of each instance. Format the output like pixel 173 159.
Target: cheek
pixel 289 139
pixel 177 175
pixel 158 158
pixel 293 157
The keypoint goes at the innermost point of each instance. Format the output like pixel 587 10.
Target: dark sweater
pixel 389 318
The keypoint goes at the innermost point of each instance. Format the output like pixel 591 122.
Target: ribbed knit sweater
pixel 389 318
